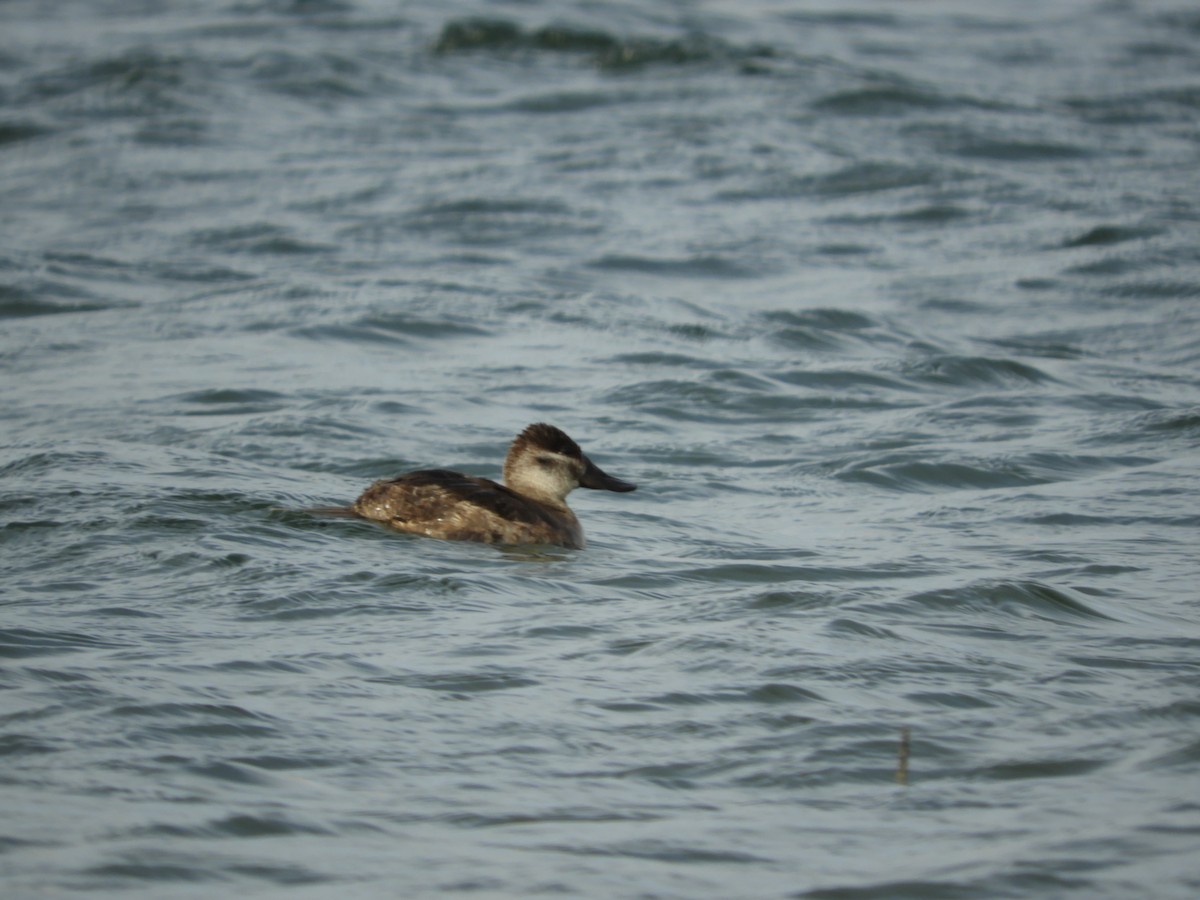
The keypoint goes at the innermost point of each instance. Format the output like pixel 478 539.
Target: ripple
pixel 707 266
pixel 793 599
pixel 1172 422
pixel 881 99
pixel 462 683
pixel 919 476
pixel 13 131
pixel 1044 347
pixel 315 77
pixel 49 299
pixel 749 573
pixel 254 826
pixel 951 700
pixel 15 744
pixel 494 221
pixel 1153 289
pixel 1040 768
pixel 137 82
pixel 304 605
pixel 1184 759
pixel 851 180
pixel 210 713
pixel 553 815
pixel 967 143
pixel 17 643
pixel 399 329
pixel 1021 599
pixel 156 866
pixel 1107 235
pixel 559 101
pixel 908 471
pixel 929 214
pixel 663 851
pixel 605 50
pixel 231 401
pixel 261 238
pixel 1148 107
pixel 718 397
pixel 972 371
pixel 823 330
pixel 770 694
pixel 664 358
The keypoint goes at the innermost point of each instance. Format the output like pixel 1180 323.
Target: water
pixel 889 309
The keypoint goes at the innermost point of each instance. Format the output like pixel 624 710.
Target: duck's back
pixel 453 506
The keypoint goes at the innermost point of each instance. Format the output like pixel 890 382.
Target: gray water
pixel 890 309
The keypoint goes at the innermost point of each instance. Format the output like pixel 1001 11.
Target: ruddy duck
pixel 543 465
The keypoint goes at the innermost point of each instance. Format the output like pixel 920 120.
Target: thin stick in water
pixel 902 757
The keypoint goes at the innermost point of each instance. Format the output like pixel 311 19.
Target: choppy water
pixel 890 309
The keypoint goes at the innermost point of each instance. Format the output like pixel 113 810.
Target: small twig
pixel 902 757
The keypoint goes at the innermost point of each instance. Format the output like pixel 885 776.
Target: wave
pixel 925 470
pixel 603 49
pixel 1004 599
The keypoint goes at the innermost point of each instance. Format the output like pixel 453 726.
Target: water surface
pixel 890 311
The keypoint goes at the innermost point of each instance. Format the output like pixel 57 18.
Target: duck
pixel 542 467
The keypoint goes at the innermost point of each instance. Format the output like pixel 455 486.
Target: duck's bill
pixel 598 480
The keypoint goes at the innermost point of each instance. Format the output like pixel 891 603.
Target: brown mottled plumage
pixel 543 465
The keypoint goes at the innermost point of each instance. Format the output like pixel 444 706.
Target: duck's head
pixel 545 464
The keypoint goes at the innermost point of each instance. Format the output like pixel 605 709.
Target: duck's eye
pixel 545 461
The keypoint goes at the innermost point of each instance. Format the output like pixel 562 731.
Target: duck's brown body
pixel 449 505
pixel 542 467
